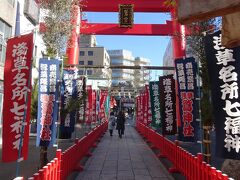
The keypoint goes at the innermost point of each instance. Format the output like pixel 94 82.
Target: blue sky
pixel 152 47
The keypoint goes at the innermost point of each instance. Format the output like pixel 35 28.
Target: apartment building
pixel 96 56
pixel 7 28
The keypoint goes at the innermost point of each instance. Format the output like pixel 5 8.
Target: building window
pixel 81 72
pixel 82 53
pixel 2 50
pixel 90 53
pixel 81 62
pixel 5 29
pixel 1 86
pixel 5 32
pixel 90 62
pixel 89 72
pixel 11 2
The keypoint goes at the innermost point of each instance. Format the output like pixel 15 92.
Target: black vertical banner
pixel 224 70
pixel 168 105
pixel 186 70
pixel 155 104
pixel 81 96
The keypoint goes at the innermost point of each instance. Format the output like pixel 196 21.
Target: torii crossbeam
pixel 137 29
pixel 112 5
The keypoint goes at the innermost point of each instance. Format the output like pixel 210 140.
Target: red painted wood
pixel 72 51
pixel 137 29
pixel 112 5
pixel 179 50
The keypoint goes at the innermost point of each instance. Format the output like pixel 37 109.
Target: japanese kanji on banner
pixel 48 94
pixel 155 104
pixel 81 91
pixel 168 105
pixel 103 98
pixel 141 107
pixel 223 65
pixel 107 106
pixel 149 111
pixel 145 107
pixel 138 108
pixel 113 102
pixel 17 98
pixel 68 94
pixel 94 106
pixel 88 114
pixel 186 78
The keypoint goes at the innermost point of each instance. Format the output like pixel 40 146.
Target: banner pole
pixel 58 123
pixel 25 112
pixel 199 106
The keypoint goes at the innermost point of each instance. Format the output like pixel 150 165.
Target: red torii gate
pixel 171 28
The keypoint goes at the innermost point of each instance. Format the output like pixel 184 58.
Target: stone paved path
pixel 129 158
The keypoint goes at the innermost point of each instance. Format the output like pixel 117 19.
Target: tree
pixel 57 18
pixel 196 43
pixel 196 47
pixel 34 96
pixel 34 101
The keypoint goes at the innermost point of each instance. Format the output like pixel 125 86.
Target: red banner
pixel 149 111
pixel 94 106
pixel 113 102
pixel 141 107
pixel 103 96
pixel 17 98
pixel 138 108
pixel 89 105
pixel 145 108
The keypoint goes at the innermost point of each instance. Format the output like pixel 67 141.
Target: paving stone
pixel 109 171
pixel 125 173
pixel 108 177
pixel 141 177
pixel 138 165
pixel 95 167
pixel 89 177
pixel 125 178
pixel 141 172
pixel 108 163
pixel 124 167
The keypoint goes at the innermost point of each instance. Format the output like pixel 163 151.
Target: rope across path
pixel 126 158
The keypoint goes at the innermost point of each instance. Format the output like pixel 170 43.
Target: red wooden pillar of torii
pixel 73 46
pixel 179 51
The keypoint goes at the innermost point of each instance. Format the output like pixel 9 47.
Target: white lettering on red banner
pixel 19 90
pixel 17 98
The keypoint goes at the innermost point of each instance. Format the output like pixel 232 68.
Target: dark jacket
pixel 120 121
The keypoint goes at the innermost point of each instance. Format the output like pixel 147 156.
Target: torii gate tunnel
pixel 170 28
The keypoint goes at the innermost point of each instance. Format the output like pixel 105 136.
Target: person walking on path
pixel 111 123
pixel 120 123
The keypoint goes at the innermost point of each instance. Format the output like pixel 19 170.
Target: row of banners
pixel 223 65
pixel 17 100
pixel 156 104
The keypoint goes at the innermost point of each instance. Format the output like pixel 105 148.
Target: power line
pixel 122 67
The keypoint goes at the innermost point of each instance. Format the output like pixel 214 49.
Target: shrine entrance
pixel 126 27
